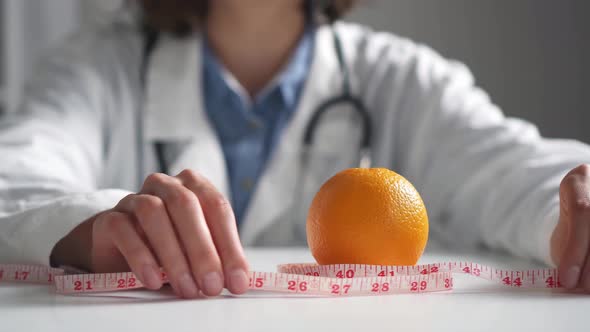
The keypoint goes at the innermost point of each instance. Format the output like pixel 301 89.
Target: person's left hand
pixel 570 241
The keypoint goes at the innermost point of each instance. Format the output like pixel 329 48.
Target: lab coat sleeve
pixel 52 155
pixel 487 180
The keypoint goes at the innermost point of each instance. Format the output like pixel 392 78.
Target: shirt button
pixel 247 184
pixel 254 125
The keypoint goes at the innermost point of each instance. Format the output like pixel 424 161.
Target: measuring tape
pixel 309 279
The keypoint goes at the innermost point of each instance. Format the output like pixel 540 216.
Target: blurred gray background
pixel 532 56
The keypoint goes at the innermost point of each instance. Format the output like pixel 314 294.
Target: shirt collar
pixel 293 76
pixel 214 78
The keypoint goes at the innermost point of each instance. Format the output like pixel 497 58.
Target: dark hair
pixel 181 17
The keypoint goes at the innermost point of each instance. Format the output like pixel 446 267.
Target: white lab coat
pixel 71 152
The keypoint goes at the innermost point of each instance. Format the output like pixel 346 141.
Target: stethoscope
pixel 345 99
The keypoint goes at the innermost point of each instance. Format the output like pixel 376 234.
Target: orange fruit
pixel 367 216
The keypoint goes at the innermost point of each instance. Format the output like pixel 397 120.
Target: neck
pixel 254 39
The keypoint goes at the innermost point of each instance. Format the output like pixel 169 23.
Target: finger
pixel 575 209
pixel 189 222
pixel 584 281
pixel 153 219
pixel 222 224
pixel 120 228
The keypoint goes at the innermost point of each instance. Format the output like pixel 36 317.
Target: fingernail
pixel 238 280
pixel 188 288
pixel 212 283
pixel 571 277
pixel 151 277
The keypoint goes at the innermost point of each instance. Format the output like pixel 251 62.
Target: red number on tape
pixel 517 282
pixel 448 283
pixel 348 274
pixel 292 285
pixel 131 282
pixel 433 269
pixel 383 273
pixel 303 286
pixel 476 272
pixel 335 289
pixel 346 288
pixel 78 285
pixel 259 283
pixel 21 275
pixel 550 282
pixel 376 287
pixel 507 281
pixel 466 269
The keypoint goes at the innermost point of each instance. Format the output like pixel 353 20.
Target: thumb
pixel 559 237
pixel 105 256
pixel 573 230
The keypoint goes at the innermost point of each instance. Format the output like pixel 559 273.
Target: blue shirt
pixel 250 129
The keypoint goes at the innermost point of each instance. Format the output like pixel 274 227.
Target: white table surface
pixel 474 305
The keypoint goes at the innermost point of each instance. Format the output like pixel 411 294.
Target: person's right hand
pixel 180 223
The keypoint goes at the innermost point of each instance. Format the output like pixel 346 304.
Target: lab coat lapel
pixel 175 112
pixel 274 195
